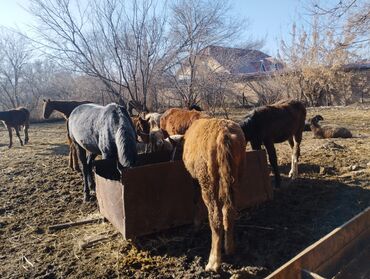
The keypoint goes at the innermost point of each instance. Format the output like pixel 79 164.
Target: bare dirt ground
pixel 37 189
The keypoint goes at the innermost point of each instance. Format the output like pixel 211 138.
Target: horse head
pixel 247 126
pixel 47 109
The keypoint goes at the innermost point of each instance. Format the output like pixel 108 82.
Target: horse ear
pixel 141 119
pixel 48 100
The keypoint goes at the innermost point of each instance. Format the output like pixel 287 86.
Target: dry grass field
pixel 37 189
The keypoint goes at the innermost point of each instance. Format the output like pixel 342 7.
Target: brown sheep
pixel 214 151
pixel 176 121
pixel 328 132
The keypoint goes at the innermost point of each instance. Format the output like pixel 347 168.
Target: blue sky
pixel 270 20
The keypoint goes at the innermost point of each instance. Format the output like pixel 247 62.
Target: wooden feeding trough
pixel 343 253
pixel 160 194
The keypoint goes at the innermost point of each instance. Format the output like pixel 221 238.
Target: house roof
pixel 242 61
pixel 360 65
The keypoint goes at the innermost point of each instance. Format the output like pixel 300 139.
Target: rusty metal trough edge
pixel 160 196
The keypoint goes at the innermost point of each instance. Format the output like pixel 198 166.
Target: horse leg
pixel 70 162
pixel 25 129
pixel 74 159
pixel 16 128
pixel 273 161
pixel 82 156
pixel 215 223
pixel 10 136
pixel 228 215
pixel 90 159
pixel 198 205
pixel 295 156
pixel 291 143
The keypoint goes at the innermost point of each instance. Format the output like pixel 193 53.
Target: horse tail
pixel 225 162
pixel 126 140
pixel 68 133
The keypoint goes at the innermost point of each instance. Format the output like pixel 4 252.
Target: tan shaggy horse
pixel 214 154
pixel 176 121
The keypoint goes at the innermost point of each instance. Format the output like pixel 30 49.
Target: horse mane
pixel 125 139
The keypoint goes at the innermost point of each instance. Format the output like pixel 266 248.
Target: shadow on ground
pixel 59 149
pixel 271 234
pixel 302 167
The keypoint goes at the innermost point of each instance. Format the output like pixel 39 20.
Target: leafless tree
pixel 15 54
pixel 121 43
pixel 315 61
pixel 196 24
pixel 346 16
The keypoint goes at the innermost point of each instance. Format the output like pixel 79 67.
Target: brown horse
pixel 176 121
pixel 277 123
pixel 16 118
pixel 65 108
pixel 214 156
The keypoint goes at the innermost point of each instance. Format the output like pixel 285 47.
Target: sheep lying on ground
pixel 307 124
pixel 328 132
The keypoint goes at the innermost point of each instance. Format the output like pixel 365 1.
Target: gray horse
pixel 102 130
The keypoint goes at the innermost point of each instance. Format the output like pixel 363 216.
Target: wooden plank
pixel 326 255
pixel 74 224
pixel 306 274
pixel 358 268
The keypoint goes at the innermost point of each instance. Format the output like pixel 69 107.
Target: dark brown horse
pixel 16 118
pixel 274 124
pixel 65 108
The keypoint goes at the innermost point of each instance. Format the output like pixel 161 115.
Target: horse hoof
pixel 87 198
pixel 213 266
